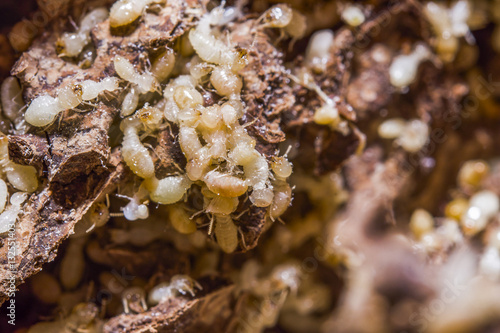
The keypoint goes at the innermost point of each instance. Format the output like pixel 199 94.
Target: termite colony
pixel 375 117
pixel 222 158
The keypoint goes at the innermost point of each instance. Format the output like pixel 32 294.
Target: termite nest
pixel 251 166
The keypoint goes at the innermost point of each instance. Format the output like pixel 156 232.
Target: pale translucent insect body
pixel 163 65
pixel 130 102
pixel 72 264
pixel 178 285
pixel 224 184
pixel 226 82
pixel 71 44
pixel 221 205
pixel 4 194
pixel 97 216
pixel 11 213
pixel 353 15
pixel 141 83
pixel 167 190
pixel 449 24
pixel 392 128
pixel 43 109
pixel 83 318
pixel 257 176
pixel 21 177
pixel 421 223
pixel 226 233
pixel 414 137
pixel 281 167
pixel 134 300
pixel 180 219
pixel 144 82
pixel 133 151
pixel 281 199
pixel 151 117
pixel 483 206
pixel 208 47
pixel 318 50
pixel 403 69
pixel 137 208
pixel 282 16
pixel 92 89
pixel 125 12
pixel 411 135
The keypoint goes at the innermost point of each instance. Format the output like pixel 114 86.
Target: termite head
pixel 240 59
pixel 278 16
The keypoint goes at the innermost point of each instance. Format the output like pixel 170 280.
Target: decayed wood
pixel 210 312
pixel 73 153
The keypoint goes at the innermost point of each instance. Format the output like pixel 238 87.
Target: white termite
pixel 392 128
pixel 210 48
pixel 216 143
pixel 256 171
pixel 281 200
pixel 225 184
pixel 179 284
pixel 404 67
pixel 352 15
pixel 482 207
pixel 97 216
pixel 43 110
pixel 287 276
pixel 284 17
pixel 150 116
pixel 180 219
pixel 137 206
pixel 92 89
pixel 21 177
pixel 71 44
pixel 449 24
pixel 318 50
pixel 414 137
pixel 221 205
pixel 226 233
pixel 130 102
pixel 163 65
pixel 4 194
pixel 281 167
pixel 125 12
pixel 134 300
pixel 226 82
pixel 72 264
pixel 11 213
pixel 144 82
pixel 135 155
pixel 167 190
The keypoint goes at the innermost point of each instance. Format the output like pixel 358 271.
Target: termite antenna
pixel 211 226
pixel 116 214
pixel 242 235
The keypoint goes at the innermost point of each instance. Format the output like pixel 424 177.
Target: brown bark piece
pixel 209 313
pixel 29 149
pixel 168 153
pixel 45 222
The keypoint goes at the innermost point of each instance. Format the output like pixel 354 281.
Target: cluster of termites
pixel 473 210
pixel 16 181
pixel 221 156
pixel 449 24
pixel 194 89
pixel 318 55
